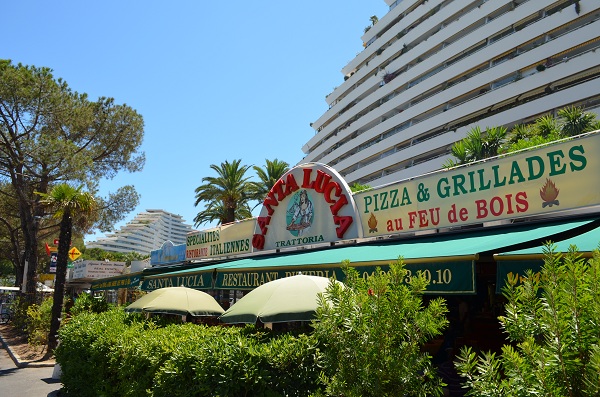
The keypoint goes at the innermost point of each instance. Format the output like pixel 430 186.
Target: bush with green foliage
pixel 357 187
pixel 552 321
pixel 18 310
pixel 38 322
pixel 372 332
pixel 87 303
pixel 32 319
pixel 7 272
pixel 368 342
pixel 119 354
pixel 240 362
pixel 479 145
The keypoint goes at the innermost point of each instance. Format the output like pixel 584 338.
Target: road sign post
pixel 74 253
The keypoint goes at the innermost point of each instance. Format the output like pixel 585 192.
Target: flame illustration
pixel 549 193
pixel 372 222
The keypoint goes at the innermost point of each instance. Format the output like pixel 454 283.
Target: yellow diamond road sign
pixel 74 253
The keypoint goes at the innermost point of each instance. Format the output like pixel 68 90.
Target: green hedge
pixel 120 354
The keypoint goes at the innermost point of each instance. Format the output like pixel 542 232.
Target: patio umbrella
pixel 286 299
pixel 177 300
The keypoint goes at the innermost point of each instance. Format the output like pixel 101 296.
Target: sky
pixel 214 81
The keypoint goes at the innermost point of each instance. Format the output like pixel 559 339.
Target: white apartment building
pixel 146 232
pixel 431 70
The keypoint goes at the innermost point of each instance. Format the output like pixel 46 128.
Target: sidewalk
pixel 21 363
pixel 32 378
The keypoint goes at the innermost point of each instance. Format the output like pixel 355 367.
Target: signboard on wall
pixel 447 277
pixel 126 281
pixel 310 204
pixel 226 240
pixel 546 180
pixel 97 269
pixel 516 271
pixel 52 265
pixel 200 280
pixel 168 254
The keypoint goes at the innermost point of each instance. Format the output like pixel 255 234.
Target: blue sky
pixel 213 80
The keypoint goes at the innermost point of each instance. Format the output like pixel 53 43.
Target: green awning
pixel 447 259
pixel 196 277
pixel 516 263
pixel 586 243
pixel 125 281
pixel 449 246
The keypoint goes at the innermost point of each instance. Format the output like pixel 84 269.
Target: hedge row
pixel 120 354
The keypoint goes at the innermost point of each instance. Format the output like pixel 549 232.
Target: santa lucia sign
pixel 550 179
pixel 310 204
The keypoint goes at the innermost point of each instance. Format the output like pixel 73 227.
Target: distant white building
pixel 146 232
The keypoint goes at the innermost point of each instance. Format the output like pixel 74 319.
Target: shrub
pixel 89 351
pixel 38 322
pixel 19 313
pixel 553 324
pixel 389 76
pixel 86 303
pixel 372 333
pixel 225 365
pixel 234 362
pixel 116 354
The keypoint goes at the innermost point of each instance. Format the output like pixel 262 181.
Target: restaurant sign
pixel 516 272
pixel 310 204
pixel 226 240
pixel 196 281
pixel 168 254
pixel 444 277
pixel 127 281
pixel 546 180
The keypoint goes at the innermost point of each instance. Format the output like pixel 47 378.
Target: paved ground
pixel 27 381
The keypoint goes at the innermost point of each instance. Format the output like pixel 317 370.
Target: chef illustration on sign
pixel 300 214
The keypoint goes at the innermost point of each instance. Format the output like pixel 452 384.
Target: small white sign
pixel 97 269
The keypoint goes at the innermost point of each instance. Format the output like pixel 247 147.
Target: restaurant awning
pixel 195 277
pixel 131 280
pixel 447 259
pixel 517 262
pixel 586 243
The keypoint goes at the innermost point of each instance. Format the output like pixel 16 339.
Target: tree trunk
pixel 29 212
pixel 29 227
pixel 229 213
pixel 32 263
pixel 64 243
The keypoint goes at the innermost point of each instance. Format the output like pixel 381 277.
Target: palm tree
pixel 494 137
pixel 572 121
pixel 66 202
pixel 520 132
pixel 268 175
pixel 477 145
pixel 225 196
pixel 215 212
pixel 575 121
pixel 547 127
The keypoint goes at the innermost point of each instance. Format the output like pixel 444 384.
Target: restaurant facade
pixel 467 228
